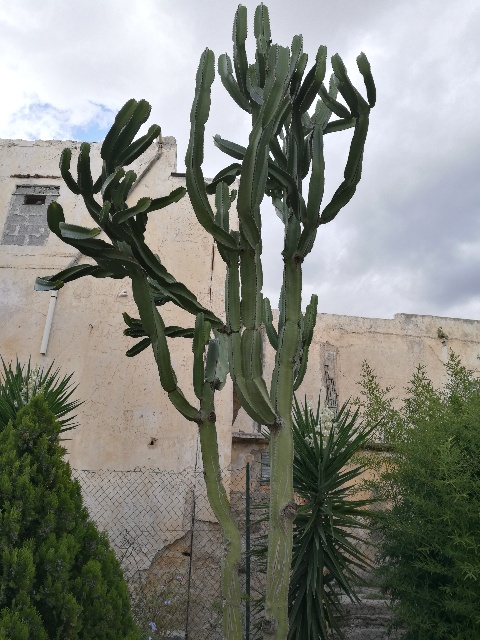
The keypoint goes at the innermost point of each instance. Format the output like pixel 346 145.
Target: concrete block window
pixel 26 222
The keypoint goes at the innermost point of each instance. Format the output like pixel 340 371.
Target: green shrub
pixel 430 560
pixel 59 579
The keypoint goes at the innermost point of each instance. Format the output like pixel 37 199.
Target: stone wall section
pixel 127 422
pixel 26 222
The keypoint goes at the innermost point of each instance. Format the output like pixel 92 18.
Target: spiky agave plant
pixel 19 383
pixel 327 558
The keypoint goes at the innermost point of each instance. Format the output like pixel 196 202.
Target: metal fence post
pixel 247 552
pixel 190 565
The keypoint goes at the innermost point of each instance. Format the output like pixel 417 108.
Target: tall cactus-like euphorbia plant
pixel 291 111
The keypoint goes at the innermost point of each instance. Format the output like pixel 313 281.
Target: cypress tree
pixel 59 578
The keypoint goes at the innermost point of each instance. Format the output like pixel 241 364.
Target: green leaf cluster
pixel 327 539
pixel 59 579
pixel 19 383
pixel 429 552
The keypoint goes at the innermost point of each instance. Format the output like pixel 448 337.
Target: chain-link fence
pixel 170 547
pixel 168 542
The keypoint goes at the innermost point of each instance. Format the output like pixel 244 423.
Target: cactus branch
pixel 272 334
pixel 155 329
pixel 217 497
pixel 194 158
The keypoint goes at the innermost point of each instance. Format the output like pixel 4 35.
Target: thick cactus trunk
pixel 282 505
pixel 280 532
pixel 217 497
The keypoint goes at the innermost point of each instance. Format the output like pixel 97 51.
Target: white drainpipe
pixel 48 322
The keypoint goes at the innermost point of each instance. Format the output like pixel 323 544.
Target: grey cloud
pixel 407 240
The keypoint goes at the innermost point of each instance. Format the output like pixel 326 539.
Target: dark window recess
pixel 330 368
pixel 26 223
pixel 265 467
pixel 332 397
pixel 34 199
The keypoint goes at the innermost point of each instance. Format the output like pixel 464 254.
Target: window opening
pixel 26 222
pixel 332 396
pixel 31 198
pixel 330 366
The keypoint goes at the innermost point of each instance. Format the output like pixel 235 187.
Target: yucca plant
pixel 20 383
pixel 327 556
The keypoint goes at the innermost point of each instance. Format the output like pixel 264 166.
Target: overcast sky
pixel 408 242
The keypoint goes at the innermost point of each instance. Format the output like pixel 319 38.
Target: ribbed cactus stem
pixel 282 505
pixel 217 497
pixel 154 327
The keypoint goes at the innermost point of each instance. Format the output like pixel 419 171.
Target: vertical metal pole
pixel 190 565
pixel 192 525
pixel 247 553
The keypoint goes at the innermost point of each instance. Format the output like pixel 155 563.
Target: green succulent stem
pixel 217 497
pixel 282 506
pixel 155 329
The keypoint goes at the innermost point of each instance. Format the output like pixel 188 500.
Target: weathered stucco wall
pixel 393 348
pixel 126 420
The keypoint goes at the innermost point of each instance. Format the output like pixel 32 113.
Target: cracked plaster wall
pixel 393 348
pixel 126 420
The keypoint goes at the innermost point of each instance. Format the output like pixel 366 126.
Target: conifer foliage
pixel 59 579
pixel 430 564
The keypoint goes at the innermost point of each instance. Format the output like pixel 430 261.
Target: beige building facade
pixel 133 453
pixel 126 419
